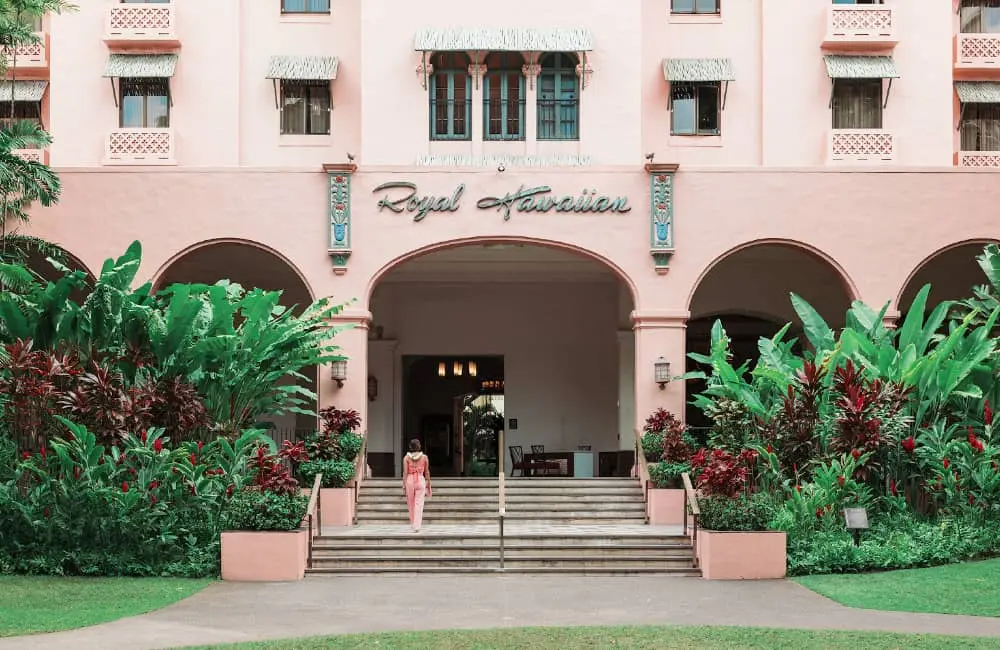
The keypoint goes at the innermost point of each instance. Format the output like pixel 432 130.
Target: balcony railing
pixel 33 55
pixel 982 159
pixel 860 27
pixel 861 145
pixel 37 155
pixel 140 147
pixel 978 52
pixel 142 24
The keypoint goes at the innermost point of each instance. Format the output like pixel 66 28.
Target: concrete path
pixel 231 612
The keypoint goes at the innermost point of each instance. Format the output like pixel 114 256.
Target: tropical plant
pixel 332 450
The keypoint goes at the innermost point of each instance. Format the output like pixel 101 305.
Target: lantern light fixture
pixel 661 372
pixel 456 369
pixel 442 371
pixel 473 369
pixel 338 372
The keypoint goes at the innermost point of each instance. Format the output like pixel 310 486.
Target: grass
pixel 969 588
pixel 658 638
pixel 32 604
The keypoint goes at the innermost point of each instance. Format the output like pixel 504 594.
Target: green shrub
pixel 741 513
pixel 350 445
pixel 652 446
pixel 479 468
pixel 667 475
pixel 258 510
pixel 336 473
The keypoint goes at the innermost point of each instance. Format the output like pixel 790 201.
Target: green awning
pixel 137 66
pixel 303 68
pixel 698 70
pixel 24 91
pixel 860 67
pixel 978 92
pixel 504 39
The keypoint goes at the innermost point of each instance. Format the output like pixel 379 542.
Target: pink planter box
pixel 264 556
pixel 665 507
pixel 336 506
pixel 742 556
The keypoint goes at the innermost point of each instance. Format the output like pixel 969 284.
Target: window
pixel 979 16
pixel 558 98
pixel 145 104
pixel 451 97
pixel 305 6
pixel 694 6
pixel 30 111
pixel 857 104
pixel 980 129
pixel 503 97
pixel 695 108
pixel 305 108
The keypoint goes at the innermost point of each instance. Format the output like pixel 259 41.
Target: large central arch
pixel 546 328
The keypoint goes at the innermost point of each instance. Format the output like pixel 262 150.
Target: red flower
pixel 856 453
pixel 200 445
pixel 70 436
pixel 124 487
pixel 987 414
pixel 945 463
pixel 909 444
pixel 26 455
pixel 975 443
pixel 798 488
pixel 972 499
pixel 144 435
pixel 194 461
pixel 840 481
pixel 152 499
pixel 819 513
pixel 192 489
pixel 76 473
pixel 229 491
pixel 892 488
pixel 153 485
pixel 43 453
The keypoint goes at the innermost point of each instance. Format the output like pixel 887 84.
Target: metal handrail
pixel 642 467
pixel 313 510
pixel 501 514
pixel 691 498
pixel 360 467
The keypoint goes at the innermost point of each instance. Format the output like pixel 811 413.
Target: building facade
pixel 537 203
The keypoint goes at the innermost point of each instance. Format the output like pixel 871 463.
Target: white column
pixel 530 71
pixel 477 72
pixel 626 389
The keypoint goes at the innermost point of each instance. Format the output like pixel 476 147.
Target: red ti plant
pixel 676 447
pixel 719 473
pixel 337 421
pixel 270 474
pixel 792 432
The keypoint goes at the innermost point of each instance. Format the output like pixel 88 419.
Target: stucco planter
pixel 742 556
pixel 665 507
pixel 264 556
pixel 336 506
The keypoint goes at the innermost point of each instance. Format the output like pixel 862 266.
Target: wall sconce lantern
pixel 372 388
pixel 661 372
pixel 442 371
pixel 473 369
pixel 338 372
pixel 456 369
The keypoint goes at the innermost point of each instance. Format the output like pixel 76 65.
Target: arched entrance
pixel 951 272
pixel 39 264
pixel 749 290
pixel 523 338
pixel 252 266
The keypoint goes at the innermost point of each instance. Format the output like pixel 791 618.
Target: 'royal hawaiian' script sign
pixel 403 196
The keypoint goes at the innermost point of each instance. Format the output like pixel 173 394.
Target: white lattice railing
pixel 29 56
pixel 861 145
pixel 37 155
pixel 141 22
pixel 983 159
pixel 860 22
pixel 978 50
pixel 140 147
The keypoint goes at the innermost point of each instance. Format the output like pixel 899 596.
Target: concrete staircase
pixel 566 526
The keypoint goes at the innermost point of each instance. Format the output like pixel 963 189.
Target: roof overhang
pixel 322 69
pixel 978 92
pixel 840 66
pixel 23 91
pixel 700 70
pixel 140 66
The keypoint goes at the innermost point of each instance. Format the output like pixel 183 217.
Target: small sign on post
pixel 857 521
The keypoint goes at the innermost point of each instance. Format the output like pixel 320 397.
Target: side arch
pixel 968 272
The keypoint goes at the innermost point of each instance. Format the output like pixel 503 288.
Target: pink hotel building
pixel 536 203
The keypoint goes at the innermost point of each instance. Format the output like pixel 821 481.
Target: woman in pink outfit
pixel 416 483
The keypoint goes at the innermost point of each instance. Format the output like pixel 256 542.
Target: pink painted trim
pixel 930 258
pixel 533 241
pixel 158 276
pixel 848 283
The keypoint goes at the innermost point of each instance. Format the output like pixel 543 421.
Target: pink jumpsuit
pixel 416 489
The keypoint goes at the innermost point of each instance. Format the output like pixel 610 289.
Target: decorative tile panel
pixel 661 214
pixel 28 55
pixel 981 159
pixel 858 22
pixel 978 51
pixel 135 21
pixel 33 155
pixel 861 145
pixel 140 147
pixel 339 195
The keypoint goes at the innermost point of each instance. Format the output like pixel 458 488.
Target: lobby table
pixel 575 464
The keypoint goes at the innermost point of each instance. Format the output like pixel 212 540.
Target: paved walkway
pixel 230 612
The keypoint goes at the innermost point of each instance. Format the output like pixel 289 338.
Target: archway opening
pixel 38 263
pixel 252 267
pixel 952 273
pixel 517 342
pixel 750 292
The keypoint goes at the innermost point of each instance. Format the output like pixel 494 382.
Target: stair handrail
pixel 360 468
pixel 691 504
pixel 313 511
pixel 501 513
pixel 642 467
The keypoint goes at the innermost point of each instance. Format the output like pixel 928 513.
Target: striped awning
pixel 23 91
pixel 137 66
pixel 978 92
pixel 860 67
pixel 504 39
pixel 303 68
pixel 698 70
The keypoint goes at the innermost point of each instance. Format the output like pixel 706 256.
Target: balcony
pixel 981 159
pixel 37 155
pixel 26 58
pixel 977 52
pixel 861 146
pixel 860 27
pixel 145 25
pixel 140 147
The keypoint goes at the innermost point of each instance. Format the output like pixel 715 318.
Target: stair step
pixel 631 496
pixel 512 508
pixel 687 572
pixel 513 551
pixel 554 540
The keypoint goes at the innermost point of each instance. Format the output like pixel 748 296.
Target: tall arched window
pixel 558 98
pixel 451 97
pixel 503 97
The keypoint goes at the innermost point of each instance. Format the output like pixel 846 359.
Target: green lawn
pixel 970 588
pixel 31 604
pixel 658 638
